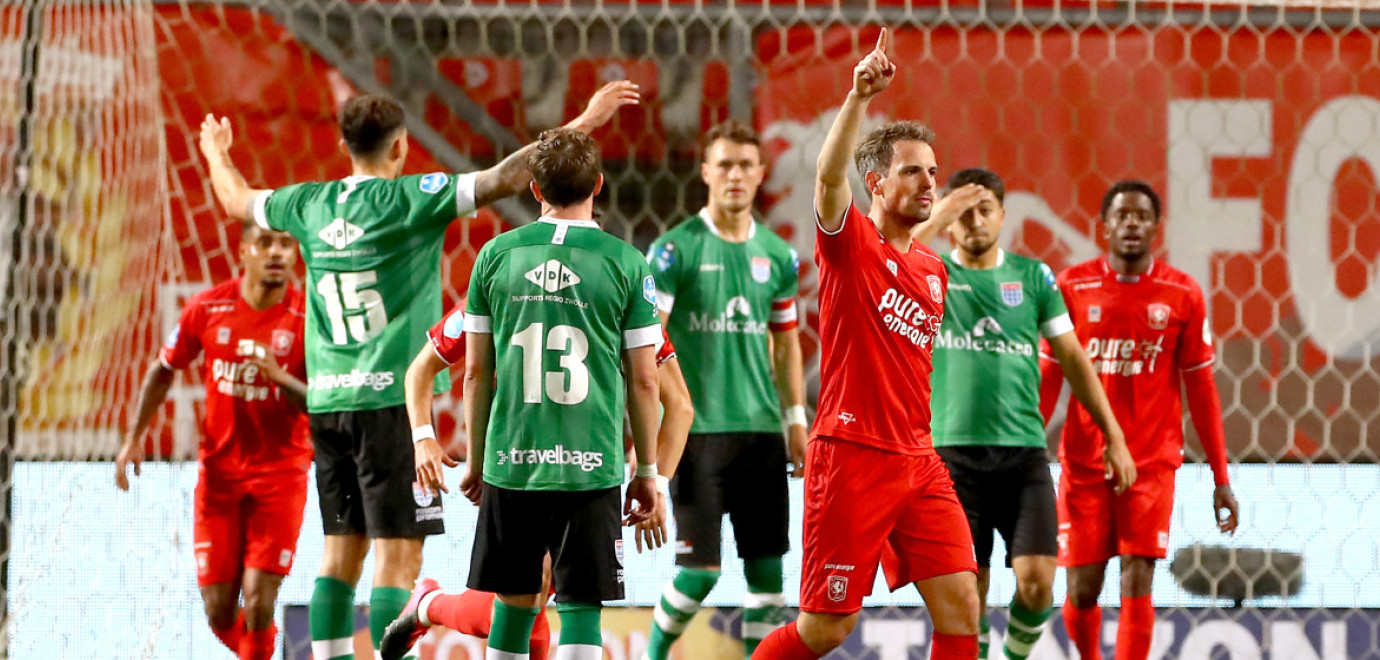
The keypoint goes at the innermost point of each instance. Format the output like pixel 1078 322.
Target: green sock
pixel 677 607
pixel 385 604
pixel 511 629
pixel 1024 630
pixel 764 606
pixel 332 619
pixel 984 635
pixel 581 636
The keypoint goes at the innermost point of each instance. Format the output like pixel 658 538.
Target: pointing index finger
pixel 883 40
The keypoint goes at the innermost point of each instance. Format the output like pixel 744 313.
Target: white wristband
pixel 647 471
pixel 423 433
pixel 663 485
pixel 795 416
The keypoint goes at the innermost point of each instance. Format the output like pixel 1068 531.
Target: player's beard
pixel 978 247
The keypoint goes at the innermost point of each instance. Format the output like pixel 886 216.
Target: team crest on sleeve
pixel 649 289
pixel 171 340
pixel 282 341
pixel 936 288
pixel 761 269
pixel 455 325
pixel 1159 316
pixel 795 261
pixel 1012 293
pixel 663 257
pixel 432 183
pixel 1049 276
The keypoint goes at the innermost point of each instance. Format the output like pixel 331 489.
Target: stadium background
pixel 1259 123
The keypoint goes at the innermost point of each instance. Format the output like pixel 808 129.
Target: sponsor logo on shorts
pixel 1163 540
pixel 587 461
pixel 430 513
pixel 618 551
pixel 685 548
pixel 838 588
pixel 285 558
pixel 421 495
pixel 375 380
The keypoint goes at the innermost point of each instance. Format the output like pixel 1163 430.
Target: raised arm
pixel 233 192
pixel 511 175
pixel 154 392
pixel 832 195
pixel 949 209
pixel 1086 387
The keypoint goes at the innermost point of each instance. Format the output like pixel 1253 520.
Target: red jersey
pixel 1141 333
pixel 250 427
pixel 447 337
pixel 879 312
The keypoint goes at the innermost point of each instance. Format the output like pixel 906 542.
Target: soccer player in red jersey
pixel 874 487
pixel 470 611
pixel 256 448
pixel 1145 326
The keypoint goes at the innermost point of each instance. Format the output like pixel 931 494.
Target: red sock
pixel 1085 630
pixel 953 647
pixel 470 612
pixel 1136 629
pixel 784 643
pixel 231 636
pixel 258 644
pixel 541 637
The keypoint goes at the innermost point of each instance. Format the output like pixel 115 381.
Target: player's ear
pixel 343 148
pixel 873 181
pixel 598 185
pixel 704 172
pixel 536 192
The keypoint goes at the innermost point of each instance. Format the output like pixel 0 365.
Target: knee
pixel 1035 595
pixel 824 633
pixel 344 558
pixel 1137 577
pixel 957 611
pixel 1083 593
pixel 220 612
pixel 258 609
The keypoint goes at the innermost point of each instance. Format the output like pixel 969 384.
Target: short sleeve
pixel 784 314
pixel 447 337
pixel 641 325
pixel 1195 343
pixel 832 247
pixel 439 198
pixel 276 210
pixel 183 344
pixel 665 265
pixel 478 316
pixel 1054 315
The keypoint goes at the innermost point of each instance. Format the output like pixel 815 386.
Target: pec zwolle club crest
pixel 1159 316
pixel 1012 293
pixel 761 269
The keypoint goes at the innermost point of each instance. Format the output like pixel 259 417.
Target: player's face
pixel 977 229
pixel 268 256
pixel 1131 225
pixel 907 190
pixel 733 171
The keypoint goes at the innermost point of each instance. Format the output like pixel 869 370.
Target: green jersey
pixel 372 248
pixel 986 357
pixel 562 300
pixel 721 299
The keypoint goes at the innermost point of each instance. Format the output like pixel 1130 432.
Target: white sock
pixel 579 652
pixel 425 603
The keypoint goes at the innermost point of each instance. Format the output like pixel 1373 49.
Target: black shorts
pixel 743 475
pixel 366 478
pixel 1007 490
pixel 581 529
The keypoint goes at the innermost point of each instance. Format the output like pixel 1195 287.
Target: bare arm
pixel 511 175
pixel 428 455
pixel 233 192
pixel 832 195
pixel 644 407
pixel 677 417
pixel 948 210
pixel 479 396
pixel 157 380
pixel 1086 387
pixel 789 370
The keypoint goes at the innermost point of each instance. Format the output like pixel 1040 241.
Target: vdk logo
pixel 986 325
pixel 340 234
pixel 552 276
pixel 738 306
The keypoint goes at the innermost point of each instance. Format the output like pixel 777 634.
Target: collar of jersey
pixel 1128 279
pixel 572 223
pixel 356 178
pixel 1001 259
pixel 714 229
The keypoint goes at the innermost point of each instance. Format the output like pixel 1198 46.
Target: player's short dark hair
pixel 565 164
pixel 1130 186
pixel 734 131
pixel 248 227
pixel 368 123
pixel 876 149
pixel 985 178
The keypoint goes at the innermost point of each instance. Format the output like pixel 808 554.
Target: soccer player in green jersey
pixel 986 407
pixel 726 287
pixel 372 246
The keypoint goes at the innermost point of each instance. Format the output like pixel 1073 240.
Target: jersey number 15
pixel 346 293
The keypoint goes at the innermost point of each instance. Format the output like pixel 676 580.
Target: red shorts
pixel 249 522
pixel 1096 524
pixel 864 505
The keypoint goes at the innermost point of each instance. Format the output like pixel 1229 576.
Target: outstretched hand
pixel 875 71
pixel 216 136
pixel 132 451
pixel 605 104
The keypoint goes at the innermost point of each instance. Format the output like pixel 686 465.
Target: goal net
pixel 1258 122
